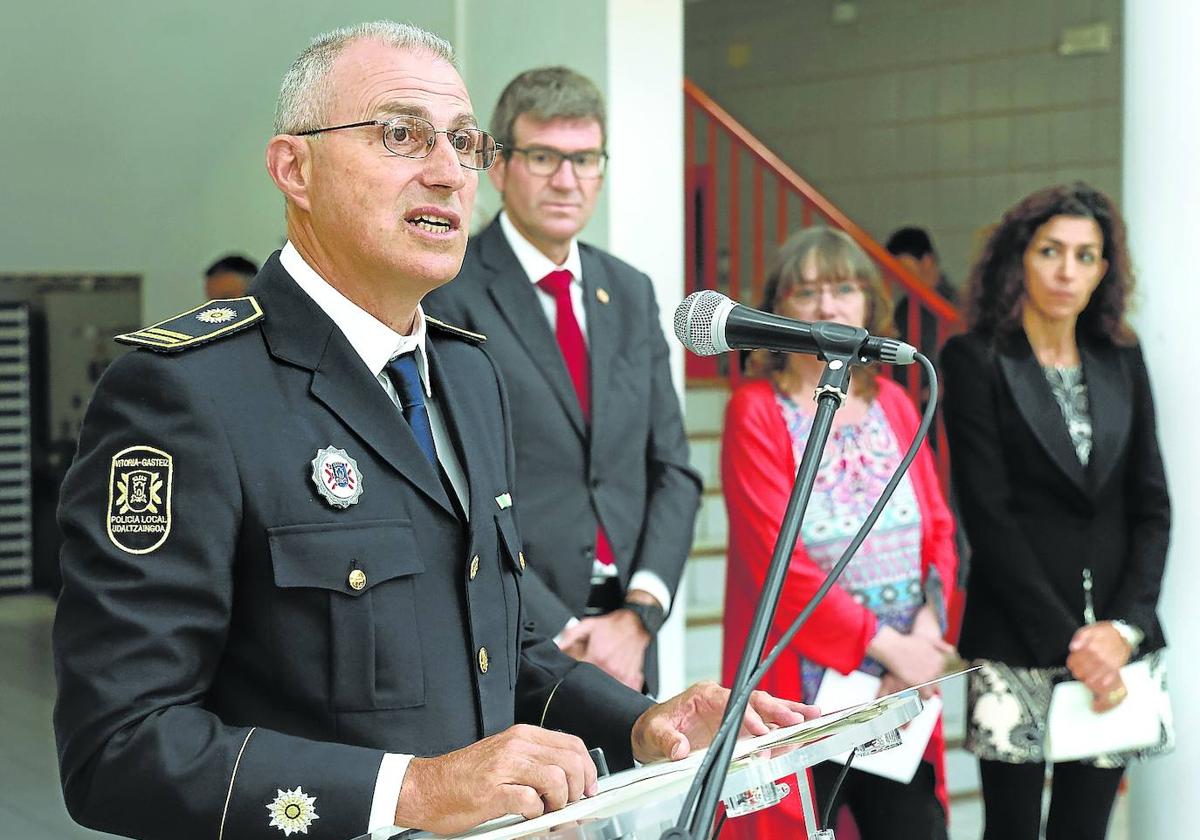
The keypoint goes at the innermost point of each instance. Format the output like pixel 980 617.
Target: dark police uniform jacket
pixel 628 468
pixel 234 653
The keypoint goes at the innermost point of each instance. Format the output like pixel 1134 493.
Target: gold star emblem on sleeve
pixel 292 812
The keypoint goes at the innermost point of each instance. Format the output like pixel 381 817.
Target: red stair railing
pixel 717 241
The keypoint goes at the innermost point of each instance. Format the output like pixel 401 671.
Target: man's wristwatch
pixel 1132 635
pixel 651 616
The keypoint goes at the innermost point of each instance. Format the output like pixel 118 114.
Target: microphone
pixel 708 323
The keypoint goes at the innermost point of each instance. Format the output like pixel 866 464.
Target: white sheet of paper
pixel 1074 731
pixel 899 763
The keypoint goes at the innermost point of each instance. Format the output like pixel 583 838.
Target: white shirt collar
pixel 374 341
pixel 536 264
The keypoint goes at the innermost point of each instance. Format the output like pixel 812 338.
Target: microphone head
pixel 700 322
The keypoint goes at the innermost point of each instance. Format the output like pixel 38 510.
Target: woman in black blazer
pixel 1056 463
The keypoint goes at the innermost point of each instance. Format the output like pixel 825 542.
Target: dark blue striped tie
pixel 403 372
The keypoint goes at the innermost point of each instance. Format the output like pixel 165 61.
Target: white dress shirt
pixel 537 265
pixel 377 344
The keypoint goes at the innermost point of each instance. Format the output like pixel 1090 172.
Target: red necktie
pixel 574 351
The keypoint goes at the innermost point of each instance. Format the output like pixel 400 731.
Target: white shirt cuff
pixel 652 583
pixel 571 622
pixel 392 771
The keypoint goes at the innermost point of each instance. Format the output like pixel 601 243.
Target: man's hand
pixel 577 649
pixel 523 770
pixel 1098 652
pixel 615 643
pixel 690 720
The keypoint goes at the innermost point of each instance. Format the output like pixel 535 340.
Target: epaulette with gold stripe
pixel 205 323
pixel 473 337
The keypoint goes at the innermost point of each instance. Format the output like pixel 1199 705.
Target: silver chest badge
pixel 337 477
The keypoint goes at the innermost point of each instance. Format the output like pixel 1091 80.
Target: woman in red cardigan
pixel 887 614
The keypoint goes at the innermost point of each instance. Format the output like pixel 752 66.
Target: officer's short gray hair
pixel 305 98
pixel 547 93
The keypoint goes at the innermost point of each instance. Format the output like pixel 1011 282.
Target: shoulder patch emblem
pixel 201 325
pixel 292 811
pixel 450 329
pixel 139 499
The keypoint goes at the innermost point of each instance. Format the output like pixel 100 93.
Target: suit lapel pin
pixel 504 500
pixel 602 295
pixel 337 477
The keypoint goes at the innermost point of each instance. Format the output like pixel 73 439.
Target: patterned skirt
pixel 1007 709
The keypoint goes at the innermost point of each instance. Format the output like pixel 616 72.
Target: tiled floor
pixel 31 806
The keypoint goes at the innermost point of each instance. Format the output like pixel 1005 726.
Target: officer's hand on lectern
pixel 523 770
pixel 690 720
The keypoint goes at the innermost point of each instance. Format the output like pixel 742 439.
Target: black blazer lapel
pixel 1037 406
pixel 1110 401
pixel 517 301
pixel 603 329
pixel 299 332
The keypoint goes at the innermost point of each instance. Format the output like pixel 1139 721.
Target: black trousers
pixel 884 809
pixel 1081 800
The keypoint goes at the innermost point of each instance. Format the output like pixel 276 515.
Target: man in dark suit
pixel 608 498
pixel 292 571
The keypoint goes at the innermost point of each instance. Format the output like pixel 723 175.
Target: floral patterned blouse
pixel 885 574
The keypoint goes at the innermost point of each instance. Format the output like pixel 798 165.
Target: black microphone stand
pixel 830 395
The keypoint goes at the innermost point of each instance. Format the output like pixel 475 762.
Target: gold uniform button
pixel 483 660
pixel 474 566
pixel 357 580
pixel 521 559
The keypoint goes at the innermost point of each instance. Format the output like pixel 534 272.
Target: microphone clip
pixel 835 379
pixel 839 341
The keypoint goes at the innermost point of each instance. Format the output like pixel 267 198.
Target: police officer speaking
pixel 292 562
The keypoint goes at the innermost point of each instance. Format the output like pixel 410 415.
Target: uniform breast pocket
pixel 353 585
pixel 512 567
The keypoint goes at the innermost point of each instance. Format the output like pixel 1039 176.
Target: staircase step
pixel 711 527
pixel 704 408
pixel 706 458
pixel 706 585
pixel 704 652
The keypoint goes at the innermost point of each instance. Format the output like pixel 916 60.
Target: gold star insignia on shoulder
pixel 201 325
pixel 450 329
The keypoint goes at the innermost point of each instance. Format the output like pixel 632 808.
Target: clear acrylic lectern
pixel 641 803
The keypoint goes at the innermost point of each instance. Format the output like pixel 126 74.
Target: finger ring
pixel 1117 695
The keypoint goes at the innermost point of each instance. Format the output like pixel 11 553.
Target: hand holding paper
pixel 1098 652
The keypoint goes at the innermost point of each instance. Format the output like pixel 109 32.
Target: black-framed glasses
pixel 414 137
pixel 543 161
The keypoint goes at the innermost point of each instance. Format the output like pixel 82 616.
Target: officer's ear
pixel 289 163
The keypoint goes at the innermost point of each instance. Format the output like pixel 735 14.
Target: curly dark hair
pixel 996 289
pixel 838 258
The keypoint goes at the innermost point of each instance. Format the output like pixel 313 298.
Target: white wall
pixel 1162 124
pixel 134 132
pixel 645 190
